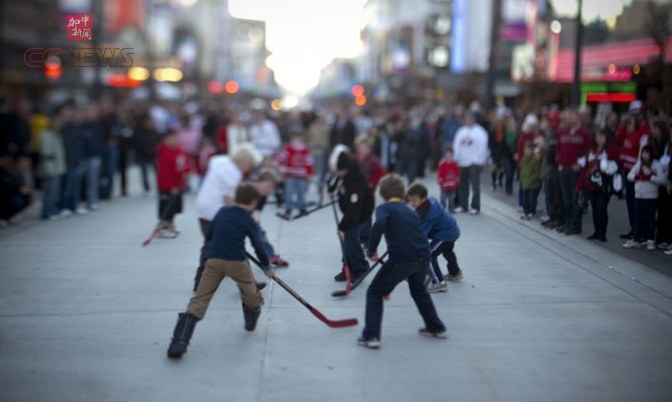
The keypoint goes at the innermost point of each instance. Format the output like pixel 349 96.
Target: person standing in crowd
pixel 629 139
pixel 71 195
pixel 573 142
pixel 318 142
pixel 529 132
pixel 423 149
pixel 343 131
pixel 407 150
pixel 15 196
pixel 448 176
pixel 662 149
pixel 647 175
pixel 450 126
pixel 264 134
pixel 52 168
pixel 218 189
pixel 511 141
pixel 236 134
pixel 372 170
pixel 530 180
pixel 112 132
pixel 596 180
pixel 471 154
pixel 555 209
pixel 172 165
pixel 94 148
pixel 39 121
pixel 499 153
pixel 297 166
pixel 146 139
pixel 189 134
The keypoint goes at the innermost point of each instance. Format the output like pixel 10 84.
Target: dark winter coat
pixel 355 198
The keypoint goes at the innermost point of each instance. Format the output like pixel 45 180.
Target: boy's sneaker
pixel 278 262
pixel 651 245
pixel 373 343
pixel 340 277
pixel 66 213
pixel 631 244
pixel 81 210
pixel 167 234
pixel 433 334
pixel 454 278
pixel 437 287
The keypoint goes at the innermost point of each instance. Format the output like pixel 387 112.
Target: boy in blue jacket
pixel 226 257
pixel 442 230
pixel 409 257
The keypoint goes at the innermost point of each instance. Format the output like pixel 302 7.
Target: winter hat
pixel 530 120
pixel 339 158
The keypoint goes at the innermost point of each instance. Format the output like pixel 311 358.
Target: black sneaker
pixel 433 334
pixel 594 236
pixel 340 277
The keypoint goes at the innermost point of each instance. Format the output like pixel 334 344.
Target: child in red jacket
pixel 172 163
pixel 448 176
pixel 297 167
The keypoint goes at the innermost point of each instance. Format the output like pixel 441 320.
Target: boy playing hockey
pixel 226 257
pixel 409 257
pixel 441 229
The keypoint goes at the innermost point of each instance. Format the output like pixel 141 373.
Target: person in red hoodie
pixel 297 166
pixel 172 163
pixel 574 141
pixel 629 139
pixel 448 176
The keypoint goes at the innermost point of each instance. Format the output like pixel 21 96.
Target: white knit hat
pixel 530 120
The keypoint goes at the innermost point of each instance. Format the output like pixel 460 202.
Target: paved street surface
pixel 87 315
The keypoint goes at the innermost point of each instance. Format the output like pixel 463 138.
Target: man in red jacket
pixel 574 141
pixel 172 163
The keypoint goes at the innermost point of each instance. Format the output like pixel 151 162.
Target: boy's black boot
pixel 251 317
pixel 186 322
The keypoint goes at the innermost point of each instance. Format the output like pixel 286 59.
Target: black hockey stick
pixel 349 322
pixel 358 281
pixel 308 212
pixel 165 211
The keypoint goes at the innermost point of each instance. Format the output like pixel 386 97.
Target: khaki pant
pixel 215 271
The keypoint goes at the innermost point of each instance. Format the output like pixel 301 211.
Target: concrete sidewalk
pixel 87 314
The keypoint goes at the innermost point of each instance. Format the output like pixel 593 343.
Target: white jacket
pixel 220 181
pixel 266 137
pixel 471 146
pixel 647 190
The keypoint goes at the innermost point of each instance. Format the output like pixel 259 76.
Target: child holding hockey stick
pixel 172 163
pixel 442 230
pixel 356 201
pixel 226 257
pixel 409 256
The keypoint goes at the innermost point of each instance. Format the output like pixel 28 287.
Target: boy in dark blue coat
pixel 409 256
pixel 226 257
pixel 442 230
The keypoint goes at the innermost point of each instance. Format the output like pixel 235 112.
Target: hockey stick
pixel 349 322
pixel 358 281
pixel 346 267
pixel 157 229
pixel 308 212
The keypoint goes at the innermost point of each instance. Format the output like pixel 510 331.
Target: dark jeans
pixel 389 276
pixel 407 168
pixel 205 228
pixel 51 189
pixel 448 197
pixel 630 202
pixel 71 194
pixel 445 248
pixel 530 201
pixel 12 205
pixel 599 203
pixel 470 177
pixel 573 211
pixel 664 222
pixel 352 247
pixel 365 233
pixel 510 172
pixel 645 219
pixel 145 163
pixel 109 168
pixel 555 205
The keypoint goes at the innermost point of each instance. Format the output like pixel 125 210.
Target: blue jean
pixel 645 219
pixel 448 197
pixel 109 167
pixel 93 165
pixel 51 188
pixel 295 187
pixel 352 246
pixel 510 172
pixel 365 233
pixel 573 210
pixel 320 163
pixel 268 248
pixel 530 201
pixel 389 276
pixel 470 177
pixel 408 168
pixel 630 203
pixel 72 186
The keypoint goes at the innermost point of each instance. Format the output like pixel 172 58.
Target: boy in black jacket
pixel 356 201
pixel 409 257
pixel 226 257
